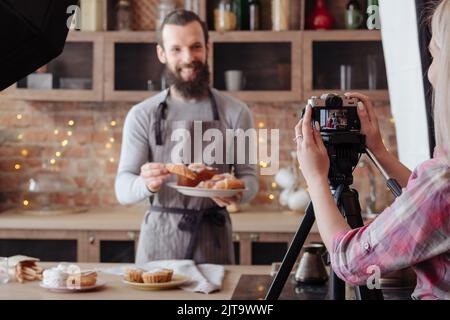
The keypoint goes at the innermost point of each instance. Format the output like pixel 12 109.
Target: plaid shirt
pixel 414 231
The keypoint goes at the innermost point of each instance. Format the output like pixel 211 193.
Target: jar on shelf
pixel 91 15
pixel 123 15
pixel 192 5
pixel 165 7
pixel 280 15
pixel 225 16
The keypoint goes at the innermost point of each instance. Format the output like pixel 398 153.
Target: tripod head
pixel 344 150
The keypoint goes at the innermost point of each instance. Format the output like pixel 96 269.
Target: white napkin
pixel 205 278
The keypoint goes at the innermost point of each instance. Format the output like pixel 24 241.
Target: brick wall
pixel 92 152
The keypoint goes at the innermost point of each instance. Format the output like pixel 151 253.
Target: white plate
pixel 204 193
pixel 98 285
pixel 177 280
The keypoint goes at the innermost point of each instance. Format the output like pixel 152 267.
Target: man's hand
pixel 224 202
pixel 154 175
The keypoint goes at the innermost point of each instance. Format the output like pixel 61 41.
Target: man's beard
pixel 190 89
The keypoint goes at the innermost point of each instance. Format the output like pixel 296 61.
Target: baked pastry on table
pixel 134 275
pixel 82 279
pixel 157 276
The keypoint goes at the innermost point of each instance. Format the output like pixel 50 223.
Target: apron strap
pixel 191 221
pixel 161 114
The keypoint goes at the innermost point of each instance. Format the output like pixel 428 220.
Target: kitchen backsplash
pixel 88 136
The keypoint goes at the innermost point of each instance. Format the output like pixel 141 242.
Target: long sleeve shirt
pixel 139 146
pixel 413 232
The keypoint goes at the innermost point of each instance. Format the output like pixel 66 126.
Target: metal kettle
pixel 311 269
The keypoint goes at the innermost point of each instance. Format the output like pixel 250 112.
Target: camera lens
pixel 333 101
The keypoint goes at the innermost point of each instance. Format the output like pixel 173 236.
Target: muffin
pixel 157 276
pixel 133 275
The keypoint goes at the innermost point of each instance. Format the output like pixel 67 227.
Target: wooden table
pixel 123 224
pixel 115 289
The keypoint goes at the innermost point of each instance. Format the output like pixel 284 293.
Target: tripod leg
pixel 352 212
pixel 291 255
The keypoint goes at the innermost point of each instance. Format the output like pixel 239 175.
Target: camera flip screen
pixel 339 119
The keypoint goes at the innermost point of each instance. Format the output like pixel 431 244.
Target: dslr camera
pixel 335 113
pixel 340 130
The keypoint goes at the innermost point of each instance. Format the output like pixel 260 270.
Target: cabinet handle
pixel 236 237
pixel 254 236
pixel 131 235
pixel 92 239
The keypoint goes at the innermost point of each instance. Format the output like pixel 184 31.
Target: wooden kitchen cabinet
pixel 361 52
pixel 77 73
pixel 270 62
pixel 130 63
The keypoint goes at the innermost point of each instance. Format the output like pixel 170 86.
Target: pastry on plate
pixel 224 181
pixel 185 176
pixel 192 175
pixel 83 279
pixel 133 275
pixel 158 276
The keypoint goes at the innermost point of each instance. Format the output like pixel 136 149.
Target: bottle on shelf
pixel 320 18
pixel 254 15
pixel 280 15
pixel 353 15
pixel 225 16
pixel 123 15
pixel 164 8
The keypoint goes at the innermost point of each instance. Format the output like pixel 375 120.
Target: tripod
pixel 347 201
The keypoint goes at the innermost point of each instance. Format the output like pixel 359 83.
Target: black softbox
pixel 32 32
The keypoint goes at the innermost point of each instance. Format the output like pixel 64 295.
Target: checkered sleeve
pixel 413 229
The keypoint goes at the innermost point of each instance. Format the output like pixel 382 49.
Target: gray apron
pixel 177 226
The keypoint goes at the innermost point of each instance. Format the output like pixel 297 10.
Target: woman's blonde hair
pixel 440 25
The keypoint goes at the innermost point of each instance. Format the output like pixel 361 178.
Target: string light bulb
pixel 24 152
pixel 58 154
pixel 26 203
pixel 17 166
pixel 64 143
pixel 19 116
pixel 113 123
pixel 271 197
pixel 71 123
pixel 261 125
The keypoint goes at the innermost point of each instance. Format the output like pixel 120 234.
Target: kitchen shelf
pixel 270 61
pixel 325 51
pixel 82 60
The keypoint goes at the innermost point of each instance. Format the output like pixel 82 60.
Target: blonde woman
pixel 415 230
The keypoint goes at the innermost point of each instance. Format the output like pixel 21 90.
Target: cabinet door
pixel 45 250
pixel 117 251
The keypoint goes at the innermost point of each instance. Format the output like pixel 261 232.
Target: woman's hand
pixel 369 123
pixel 311 152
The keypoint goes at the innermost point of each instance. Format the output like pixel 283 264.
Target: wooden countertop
pixel 129 219
pixel 116 290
